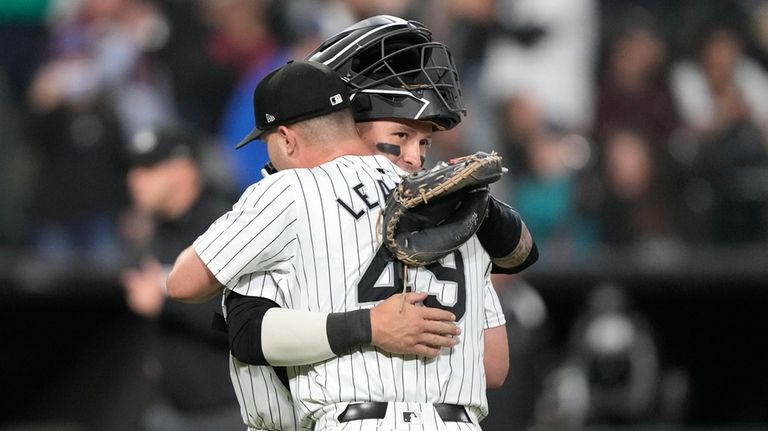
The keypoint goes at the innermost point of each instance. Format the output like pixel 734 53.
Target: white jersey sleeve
pixel 494 314
pixel 257 235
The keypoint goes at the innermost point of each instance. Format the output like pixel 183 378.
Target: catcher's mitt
pixel 433 212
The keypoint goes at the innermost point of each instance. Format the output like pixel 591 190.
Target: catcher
pixel 404 87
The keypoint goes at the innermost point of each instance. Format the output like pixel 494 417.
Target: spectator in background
pixel 166 184
pixel 105 48
pixel 243 38
pixel 544 49
pixel 538 52
pixel 78 191
pixel 632 90
pixel 97 86
pixel 721 95
pixel 704 86
pixel 635 117
pixel 521 124
pixel 637 208
pixel 201 82
pixel 546 164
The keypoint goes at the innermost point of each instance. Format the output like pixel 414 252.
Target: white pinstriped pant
pixel 399 417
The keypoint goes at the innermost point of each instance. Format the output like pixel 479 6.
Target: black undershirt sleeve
pixel 244 317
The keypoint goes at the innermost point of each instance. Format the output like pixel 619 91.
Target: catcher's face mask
pixel 393 69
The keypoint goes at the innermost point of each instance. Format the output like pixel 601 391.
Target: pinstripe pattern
pixel 265 403
pixel 428 419
pixel 302 238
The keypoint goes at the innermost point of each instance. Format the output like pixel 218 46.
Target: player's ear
pixel 288 140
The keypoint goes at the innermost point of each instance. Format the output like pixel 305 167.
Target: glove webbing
pixel 408 201
pixel 405 198
pixel 391 226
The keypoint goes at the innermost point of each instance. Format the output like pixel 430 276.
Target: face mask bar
pixel 418 68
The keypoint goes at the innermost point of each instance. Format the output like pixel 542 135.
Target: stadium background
pixel 647 308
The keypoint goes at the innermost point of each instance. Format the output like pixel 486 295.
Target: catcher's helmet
pixel 393 69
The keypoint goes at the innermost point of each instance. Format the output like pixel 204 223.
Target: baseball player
pixel 300 154
pixel 407 135
pixel 291 225
pixel 404 87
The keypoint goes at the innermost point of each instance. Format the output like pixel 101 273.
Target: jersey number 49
pixel 368 290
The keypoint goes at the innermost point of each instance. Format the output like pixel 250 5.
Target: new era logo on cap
pixel 270 118
pixel 336 99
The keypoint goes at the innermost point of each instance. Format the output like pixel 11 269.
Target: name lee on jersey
pixel 368 201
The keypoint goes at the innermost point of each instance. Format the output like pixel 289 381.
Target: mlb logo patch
pixel 336 99
pixel 411 418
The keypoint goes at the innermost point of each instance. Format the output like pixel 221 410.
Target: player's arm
pixel 223 253
pixel 190 280
pixel 262 333
pixel 505 237
pixel 495 342
pixel 495 356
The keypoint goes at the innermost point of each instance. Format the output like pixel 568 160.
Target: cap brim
pixel 254 135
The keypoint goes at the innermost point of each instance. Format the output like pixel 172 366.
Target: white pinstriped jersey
pixel 265 402
pixel 307 239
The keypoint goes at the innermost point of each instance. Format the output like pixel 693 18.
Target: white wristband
pixel 293 337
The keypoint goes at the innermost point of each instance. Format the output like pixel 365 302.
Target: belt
pixel 377 410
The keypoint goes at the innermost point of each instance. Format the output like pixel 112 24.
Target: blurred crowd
pixel 625 124
pixel 634 123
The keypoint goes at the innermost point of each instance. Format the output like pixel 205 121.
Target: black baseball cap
pixel 152 145
pixel 297 91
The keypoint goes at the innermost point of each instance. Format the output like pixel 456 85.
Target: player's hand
pixel 143 288
pixel 414 329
